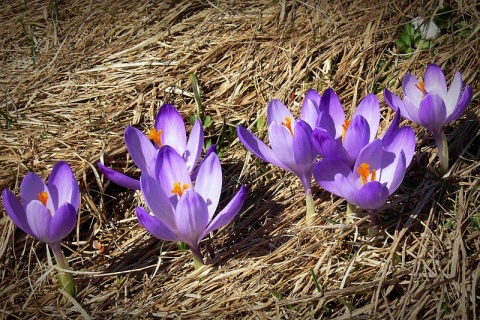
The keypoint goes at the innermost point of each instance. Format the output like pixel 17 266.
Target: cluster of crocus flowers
pixel 291 147
pixel 47 212
pixel 182 196
pixel 168 130
pixel 184 210
pixel 431 104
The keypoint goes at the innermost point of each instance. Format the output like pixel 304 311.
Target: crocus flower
pixel 47 212
pixel 430 104
pixel 168 129
pixel 291 148
pixel 337 137
pixel 182 210
pixel 378 171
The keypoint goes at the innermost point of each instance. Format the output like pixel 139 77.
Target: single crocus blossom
pixel 47 212
pixel 168 129
pixel 431 104
pixel 184 210
pixel 378 171
pixel 336 136
pixel 291 148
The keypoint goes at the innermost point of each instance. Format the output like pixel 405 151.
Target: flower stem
pixel 65 278
pixel 442 147
pixel 310 207
pixel 373 228
pixel 197 260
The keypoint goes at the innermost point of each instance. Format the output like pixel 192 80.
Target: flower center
pixel 178 189
pixel 288 124
pixel 364 172
pixel 43 197
pixel 155 136
pixel 345 126
pixel 421 86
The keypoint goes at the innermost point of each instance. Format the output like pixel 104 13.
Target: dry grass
pixel 101 65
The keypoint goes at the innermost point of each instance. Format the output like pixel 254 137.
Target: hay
pixel 106 64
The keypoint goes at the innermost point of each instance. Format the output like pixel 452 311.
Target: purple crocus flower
pixel 169 129
pixel 337 137
pixel 378 171
pixel 431 104
pixel 183 211
pixel 291 148
pixel 47 212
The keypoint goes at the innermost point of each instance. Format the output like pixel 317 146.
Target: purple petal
pixel 257 147
pixel 325 122
pixel 325 172
pixel 392 128
pixel 403 139
pixel 39 218
pixel 119 178
pixel 435 81
pixel 369 108
pixel 15 211
pixel 63 222
pixel 155 226
pixel 462 104
pixel 393 174
pixel 392 100
pixel 157 200
pixel 63 187
pixel 211 149
pixel 191 217
pixel 356 138
pixel 171 123
pixel 32 185
pixel 346 188
pixel 372 196
pixel 326 146
pixel 330 103
pixel 282 145
pixel 209 183
pixel 432 113
pixel 228 213
pixel 454 93
pixel 371 154
pixel 410 89
pixel 305 155
pixel 309 112
pixel 278 112
pixel 140 148
pixel 410 110
pixel 194 146
pixel 171 169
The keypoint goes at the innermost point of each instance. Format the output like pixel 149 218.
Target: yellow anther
pixel 43 197
pixel 155 136
pixel 421 86
pixel 178 189
pixel 345 126
pixel 364 172
pixel 288 124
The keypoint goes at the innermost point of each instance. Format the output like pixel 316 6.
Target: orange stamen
pixel 43 197
pixel 156 136
pixel 364 172
pixel 421 86
pixel 288 124
pixel 178 189
pixel 345 126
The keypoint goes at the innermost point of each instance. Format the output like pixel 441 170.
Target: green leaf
pixel 207 122
pixel 406 39
pixel 409 29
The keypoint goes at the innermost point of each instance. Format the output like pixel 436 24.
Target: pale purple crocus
pixel 378 171
pixel 168 129
pixel 431 104
pixel 291 148
pixel 336 136
pixel 47 212
pixel 184 210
